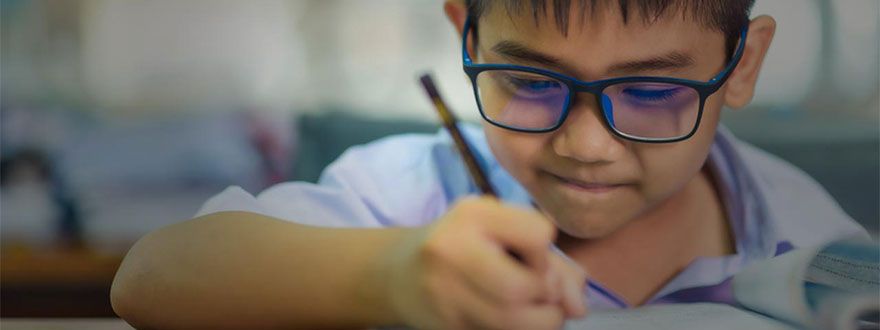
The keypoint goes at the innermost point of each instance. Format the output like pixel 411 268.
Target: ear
pixel 741 84
pixel 456 12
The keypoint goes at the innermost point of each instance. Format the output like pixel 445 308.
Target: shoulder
pixel 792 205
pixel 405 166
pixel 401 180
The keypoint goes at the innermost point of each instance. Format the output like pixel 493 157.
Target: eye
pixel 650 94
pixel 531 84
pixel 534 84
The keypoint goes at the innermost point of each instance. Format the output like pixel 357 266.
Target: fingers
pixel 532 289
pixel 542 316
pixel 573 302
pixel 506 283
pixel 482 313
pixel 553 282
pixel 528 234
pixel 571 286
pixel 524 232
pixel 502 277
pixel 479 313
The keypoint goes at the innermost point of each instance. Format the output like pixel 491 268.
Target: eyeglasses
pixel 643 109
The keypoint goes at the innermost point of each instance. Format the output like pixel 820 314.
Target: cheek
pixel 515 151
pixel 669 167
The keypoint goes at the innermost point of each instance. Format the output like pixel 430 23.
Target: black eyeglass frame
pixel 575 86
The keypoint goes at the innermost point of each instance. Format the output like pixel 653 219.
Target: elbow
pixel 123 301
pixel 129 293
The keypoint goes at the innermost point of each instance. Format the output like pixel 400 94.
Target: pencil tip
pixel 428 82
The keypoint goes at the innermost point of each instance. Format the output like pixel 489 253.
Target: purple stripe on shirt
pixel 783 247
pixel 717 293
pixel 607 294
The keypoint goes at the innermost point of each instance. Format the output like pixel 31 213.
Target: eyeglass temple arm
pixel 735 60
pixel 464 54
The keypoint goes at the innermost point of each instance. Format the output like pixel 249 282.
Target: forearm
pixel 237 269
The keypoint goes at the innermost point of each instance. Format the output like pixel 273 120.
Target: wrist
pixel 376 289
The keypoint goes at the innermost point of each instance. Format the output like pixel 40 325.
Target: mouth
pixel 588 186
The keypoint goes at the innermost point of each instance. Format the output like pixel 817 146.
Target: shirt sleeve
pixel 804 213
pixel 406 180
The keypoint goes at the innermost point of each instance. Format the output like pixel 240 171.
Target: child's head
pixel 592 172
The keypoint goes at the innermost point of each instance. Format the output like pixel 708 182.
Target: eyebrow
pixel 671 60
pixel 515 51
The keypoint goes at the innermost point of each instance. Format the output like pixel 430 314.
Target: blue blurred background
pixel 120 117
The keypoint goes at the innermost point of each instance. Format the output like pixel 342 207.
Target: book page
pixel 776 286
pixel 834 284
pixel 677 317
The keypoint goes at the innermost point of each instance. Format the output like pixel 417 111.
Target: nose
pixel 584 136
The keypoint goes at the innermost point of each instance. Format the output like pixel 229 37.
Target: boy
pixel 629 179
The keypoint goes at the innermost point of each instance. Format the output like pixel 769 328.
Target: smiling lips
pixel 592 187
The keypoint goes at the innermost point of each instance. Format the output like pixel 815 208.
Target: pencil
pixel 450 122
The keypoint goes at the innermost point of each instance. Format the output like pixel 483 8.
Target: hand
pixel 483 265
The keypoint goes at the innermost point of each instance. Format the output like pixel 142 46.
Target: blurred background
pixel 120 117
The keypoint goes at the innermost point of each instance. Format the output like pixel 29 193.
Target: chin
pixel 589 227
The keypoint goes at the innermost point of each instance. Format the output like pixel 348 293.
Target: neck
pixel 638 259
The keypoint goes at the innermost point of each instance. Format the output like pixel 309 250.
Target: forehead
pixel 601 34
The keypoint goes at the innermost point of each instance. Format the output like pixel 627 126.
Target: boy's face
pixel 589 181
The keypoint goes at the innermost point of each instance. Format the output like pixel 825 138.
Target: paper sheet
pixel 677 317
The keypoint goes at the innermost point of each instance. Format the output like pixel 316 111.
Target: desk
pixel 64 324
pixel 56 282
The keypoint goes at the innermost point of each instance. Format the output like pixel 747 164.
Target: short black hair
pixel 726 16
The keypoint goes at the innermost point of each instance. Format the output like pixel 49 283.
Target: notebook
pixel 831 287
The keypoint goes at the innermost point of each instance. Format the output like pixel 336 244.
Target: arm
pixel 245 270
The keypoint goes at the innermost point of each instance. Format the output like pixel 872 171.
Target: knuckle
pixel 433 251
pixel 445 248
